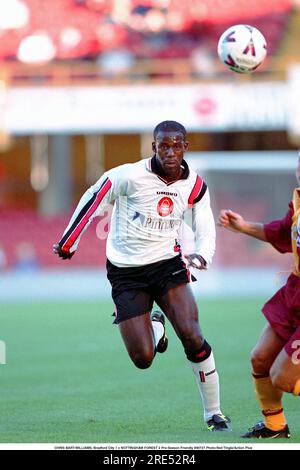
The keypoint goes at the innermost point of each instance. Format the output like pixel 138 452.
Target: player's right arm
pixel 236 223
pixel 94 200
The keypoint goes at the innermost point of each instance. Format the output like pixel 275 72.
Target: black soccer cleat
pixel 218 423
pixel 260 431
pixel 163 342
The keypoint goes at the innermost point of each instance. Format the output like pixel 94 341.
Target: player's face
pixel 298 170
pixel 169 148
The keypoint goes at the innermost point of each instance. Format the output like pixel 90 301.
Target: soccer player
pixel 276 357
pixel 144 259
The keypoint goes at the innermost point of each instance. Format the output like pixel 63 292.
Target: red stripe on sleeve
pixel 80 226
pixel 195 191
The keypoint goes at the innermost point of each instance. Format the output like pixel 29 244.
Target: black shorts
pixel 135 289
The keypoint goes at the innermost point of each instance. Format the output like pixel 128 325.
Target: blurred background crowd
pixel 117 34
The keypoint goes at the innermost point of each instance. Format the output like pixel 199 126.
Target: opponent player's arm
pixel 236 223
pixel 205 233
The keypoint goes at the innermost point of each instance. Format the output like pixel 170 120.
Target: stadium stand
pixel 39 232
pixel 137 29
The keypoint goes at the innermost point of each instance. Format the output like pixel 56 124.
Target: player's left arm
pixel 205 233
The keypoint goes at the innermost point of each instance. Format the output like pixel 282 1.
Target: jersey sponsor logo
pixel 138 215
pixel 165 206
pixel 158 224
pixel 148 221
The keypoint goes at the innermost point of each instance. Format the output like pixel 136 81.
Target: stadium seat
pixel 85 29
pixel 41 233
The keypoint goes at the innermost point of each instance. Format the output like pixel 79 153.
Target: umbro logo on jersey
pixel 166 193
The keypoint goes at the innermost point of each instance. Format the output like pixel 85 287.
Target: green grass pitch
pixel 68 378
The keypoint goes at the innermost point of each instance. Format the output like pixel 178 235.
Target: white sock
pixel 207 379
pixel 158 331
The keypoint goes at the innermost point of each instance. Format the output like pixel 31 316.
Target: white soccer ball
pixel 242 48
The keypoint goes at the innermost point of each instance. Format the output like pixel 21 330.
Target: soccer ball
pixel 242 48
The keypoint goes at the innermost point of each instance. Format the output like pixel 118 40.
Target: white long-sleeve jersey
pixel 147 214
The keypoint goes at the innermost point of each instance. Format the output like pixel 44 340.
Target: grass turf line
pixel 68 378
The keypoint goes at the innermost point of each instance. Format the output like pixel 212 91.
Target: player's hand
pixel 231 220
pixel 62 254
pixel 196 261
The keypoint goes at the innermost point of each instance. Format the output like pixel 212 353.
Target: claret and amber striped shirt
pixel 284 234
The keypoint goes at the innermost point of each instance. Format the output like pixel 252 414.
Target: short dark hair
pixel 169 126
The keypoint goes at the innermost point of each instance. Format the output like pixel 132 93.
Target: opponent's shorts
pixel 283 313
pixel 135 289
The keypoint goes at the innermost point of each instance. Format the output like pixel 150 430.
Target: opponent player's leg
pixel 268 395
pixel 179 305
pixel 265 351
pixel 285 371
